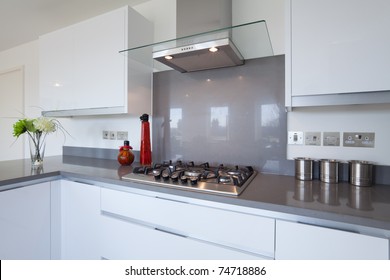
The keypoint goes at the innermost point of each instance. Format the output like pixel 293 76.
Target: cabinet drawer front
pixel 301 241
pixel 128 241
pixel 243 231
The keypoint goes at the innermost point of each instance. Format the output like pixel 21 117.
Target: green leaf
pixel 19 127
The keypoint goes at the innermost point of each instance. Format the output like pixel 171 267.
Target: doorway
pixel 11 109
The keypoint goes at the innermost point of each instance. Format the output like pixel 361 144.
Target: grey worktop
pixel 283 196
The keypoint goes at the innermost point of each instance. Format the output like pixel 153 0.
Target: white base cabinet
pixel 126 240
pixel 101 223
pixel 25 223
pixel 71 220
pixel 80 221
pixel 240 231
pixel 295 241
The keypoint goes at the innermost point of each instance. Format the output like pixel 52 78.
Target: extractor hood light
pixel 213 49
pixel 168 57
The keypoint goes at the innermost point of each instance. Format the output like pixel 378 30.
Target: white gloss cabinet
pixel 295 241
pixel 25 223
pixel 126 240
pixel 337 47
pixel 193 224
pixel 83 73
pixel 80 221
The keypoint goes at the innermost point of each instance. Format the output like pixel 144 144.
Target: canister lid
pixel 303 159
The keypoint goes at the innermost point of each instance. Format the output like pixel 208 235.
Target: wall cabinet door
pixel 82 71
pixel 80 221
pixel 337 47
pixel 25 223
pixel 302 242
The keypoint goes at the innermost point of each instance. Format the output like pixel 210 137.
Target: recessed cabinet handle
pixel 169 232
pixel 170 199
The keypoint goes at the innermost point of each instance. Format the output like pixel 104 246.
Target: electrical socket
pixel 112 135
pixel 106 134
pixel 331 138
pixel 313 138
pixel 359 139
pixel 122 135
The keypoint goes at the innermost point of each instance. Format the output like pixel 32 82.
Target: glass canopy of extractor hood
pixel 251 40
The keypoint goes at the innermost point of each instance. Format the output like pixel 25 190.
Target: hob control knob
pixel 174 178
pixel 183 179
pixel 194 181
pixel 165 177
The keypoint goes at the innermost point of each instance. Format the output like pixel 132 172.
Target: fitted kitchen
pixel 222 129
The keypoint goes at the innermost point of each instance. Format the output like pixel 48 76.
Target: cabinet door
pixel 300 241
pixel 55 61
pixel 80 213
pixel 127 240
pixel 83 73
pixel 81 66
pixel 338 46
pixel 25 222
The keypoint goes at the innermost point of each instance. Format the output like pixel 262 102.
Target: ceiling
pixel 22 21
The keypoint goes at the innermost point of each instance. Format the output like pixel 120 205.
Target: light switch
pixel 295 138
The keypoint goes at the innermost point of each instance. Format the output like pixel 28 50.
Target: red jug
pixel 125 156
pixel 146 151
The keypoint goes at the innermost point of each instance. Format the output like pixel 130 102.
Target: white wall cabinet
pixel 336 47
pixel 83 73
pixel 80 221
pixel 25 223
pixel 301 242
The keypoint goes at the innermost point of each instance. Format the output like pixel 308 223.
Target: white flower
pixel 44 125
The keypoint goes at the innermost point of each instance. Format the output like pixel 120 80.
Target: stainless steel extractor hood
pixel 216 43
pixel 206 55
pixel 220 48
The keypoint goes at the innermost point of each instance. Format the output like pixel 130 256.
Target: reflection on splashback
pixel 233 116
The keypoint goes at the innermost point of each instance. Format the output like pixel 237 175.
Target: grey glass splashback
pixel 232 115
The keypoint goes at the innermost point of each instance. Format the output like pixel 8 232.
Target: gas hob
pixel 220 179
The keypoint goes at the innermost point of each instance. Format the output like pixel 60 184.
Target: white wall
pixel 358 118
pixel 26 56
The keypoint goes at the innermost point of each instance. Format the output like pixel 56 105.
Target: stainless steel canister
pixel 360 173
pixel 303 168
pixel 329 170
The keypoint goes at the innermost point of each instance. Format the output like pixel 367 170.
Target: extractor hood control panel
pixel 359 139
